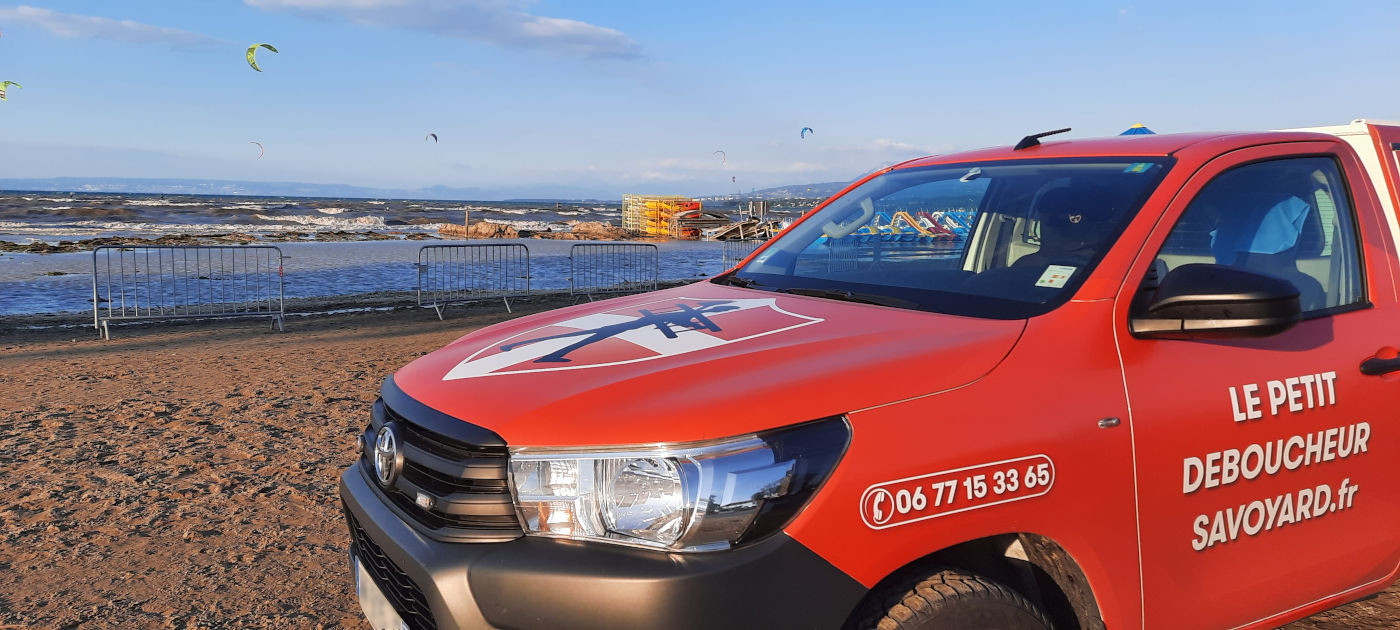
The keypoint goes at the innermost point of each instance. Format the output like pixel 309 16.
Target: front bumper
pixel 542 583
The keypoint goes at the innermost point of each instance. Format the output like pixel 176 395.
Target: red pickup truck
pixel 1143 381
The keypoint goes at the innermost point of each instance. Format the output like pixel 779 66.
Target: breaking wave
pixel 162 202
pixel 248 205
pixel 88 228
pixel 357 223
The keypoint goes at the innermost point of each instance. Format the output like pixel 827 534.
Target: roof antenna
pixel 1034 141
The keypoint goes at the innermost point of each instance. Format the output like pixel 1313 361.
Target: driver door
pixel 1263 464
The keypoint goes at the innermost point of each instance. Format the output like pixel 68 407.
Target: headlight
pixel 688 497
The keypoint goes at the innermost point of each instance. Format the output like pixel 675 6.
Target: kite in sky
pixel 5 86
pixel 723 159
pixel 804 132
pixel 431 135
pixel 252 61
pixel 260 148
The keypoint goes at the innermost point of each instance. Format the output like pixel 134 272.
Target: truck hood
pixel 697 362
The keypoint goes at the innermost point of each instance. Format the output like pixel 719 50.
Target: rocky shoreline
pixel 582 231
pixel 229 238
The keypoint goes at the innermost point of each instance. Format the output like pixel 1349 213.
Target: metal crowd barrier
pixel 452 274
pixel 612 268
pixel 739 249
pixel 176 282
pixel 843 254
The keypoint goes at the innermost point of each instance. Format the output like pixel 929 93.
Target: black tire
pixel 950 599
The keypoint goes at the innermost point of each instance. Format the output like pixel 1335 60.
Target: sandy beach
pixel 183 475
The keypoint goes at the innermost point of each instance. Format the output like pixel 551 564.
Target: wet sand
pixel 184 475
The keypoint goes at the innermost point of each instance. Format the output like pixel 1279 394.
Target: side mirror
pixel 1199 300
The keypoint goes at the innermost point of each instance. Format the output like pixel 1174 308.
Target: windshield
pixel 1004 240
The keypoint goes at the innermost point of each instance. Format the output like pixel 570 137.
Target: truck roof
pixel 1138 145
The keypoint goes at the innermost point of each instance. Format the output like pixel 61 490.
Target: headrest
pixel 1268 227
pixel 1070 219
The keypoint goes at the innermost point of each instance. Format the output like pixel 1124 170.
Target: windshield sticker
pixel 914 499
pixel 1138 167
pixel 643 332
pixel 1055 276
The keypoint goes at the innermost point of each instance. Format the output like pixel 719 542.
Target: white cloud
pixel 497 22
pixel 331 4
pixel 760 166
pixel 886 144
pixel 89 27
pixel 800 167
pixel 659 175
pixel 691 163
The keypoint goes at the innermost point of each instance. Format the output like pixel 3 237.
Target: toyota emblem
pixel 388 458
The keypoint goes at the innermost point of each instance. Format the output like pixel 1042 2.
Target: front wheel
pixel 950 599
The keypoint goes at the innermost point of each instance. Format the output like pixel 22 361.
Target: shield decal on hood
pixel 640 332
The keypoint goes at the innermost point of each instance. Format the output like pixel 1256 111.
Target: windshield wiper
pixel 848 296
pixel 737 281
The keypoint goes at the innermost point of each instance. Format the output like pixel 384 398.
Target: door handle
pixel 1376 365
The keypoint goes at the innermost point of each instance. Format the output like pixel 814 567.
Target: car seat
pixel 1071 225
pixel 1073 222
pixel 1270 236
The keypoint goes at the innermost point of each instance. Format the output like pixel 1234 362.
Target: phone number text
pixel 914 499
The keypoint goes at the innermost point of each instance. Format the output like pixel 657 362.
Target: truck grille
pixel 406 597
pixel 467 483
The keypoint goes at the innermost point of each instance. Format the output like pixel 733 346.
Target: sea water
pixel 50 216
pixel 30 283
pixel 45 283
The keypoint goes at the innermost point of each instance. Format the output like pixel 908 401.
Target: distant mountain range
pixel 795 191
pixel 345 191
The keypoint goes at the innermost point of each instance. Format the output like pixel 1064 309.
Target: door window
pixel 1289 218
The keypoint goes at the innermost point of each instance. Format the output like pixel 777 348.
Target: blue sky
pixel 618 96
